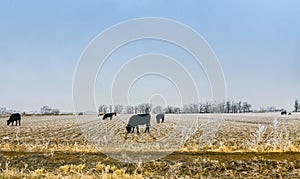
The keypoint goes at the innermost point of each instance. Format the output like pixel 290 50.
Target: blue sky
pixel 257 43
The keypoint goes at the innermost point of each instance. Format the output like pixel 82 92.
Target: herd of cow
pixel 285 113
pixel 134 121
pixel 137 120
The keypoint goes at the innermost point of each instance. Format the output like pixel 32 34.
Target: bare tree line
pixel 207 107
pixel 214 107
pixel 129 109
pixel 45 110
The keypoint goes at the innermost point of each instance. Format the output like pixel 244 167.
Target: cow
pixel 14 117
pixel 283 112
pixel 160 117
pixel 109 115
pixel 136 120
pixel 80 113
pixel 100 114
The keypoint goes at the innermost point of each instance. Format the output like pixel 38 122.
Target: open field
pixel 235 145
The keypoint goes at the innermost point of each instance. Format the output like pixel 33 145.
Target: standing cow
pixel 136 120
pixel 283 112
pixel 109 115
pixel 14 117
pixel 160 118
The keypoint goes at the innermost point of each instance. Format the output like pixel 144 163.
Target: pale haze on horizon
pixel 257 44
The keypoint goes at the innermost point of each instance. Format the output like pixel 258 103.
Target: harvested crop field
pixel 208 146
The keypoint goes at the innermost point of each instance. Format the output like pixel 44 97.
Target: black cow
pixel 283 112
pixel 14 117
pixel 136 120
pixel 160 117
pixel 109 115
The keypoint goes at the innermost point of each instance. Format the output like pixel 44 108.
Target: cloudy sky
pixel 257 43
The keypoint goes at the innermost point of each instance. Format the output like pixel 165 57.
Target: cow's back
pixel 136 120
pixel 15 117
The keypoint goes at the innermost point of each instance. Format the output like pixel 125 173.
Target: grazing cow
pixel 160 117
pixel 109 115
pixel 283 112
pixel 136 120
pixel 80 113
pixel 290 113
pixel 100 114
pixel 14 117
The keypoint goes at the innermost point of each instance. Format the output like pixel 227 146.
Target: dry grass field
pixel 192 146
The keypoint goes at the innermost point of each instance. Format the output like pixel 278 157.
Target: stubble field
pixel 197 146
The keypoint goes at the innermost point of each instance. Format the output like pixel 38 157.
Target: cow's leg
pixel 19 122
pixel 137 128
pixel 132 129
pixel 162 120
pixel 147 129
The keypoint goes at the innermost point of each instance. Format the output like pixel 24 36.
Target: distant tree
pixel 234 107
pixel 227 107
pixel 217 107
pixel 102 108
pixel 207 107
pixel 46 110
pixel 195 108
pixel 129 109
pixel 136 109
pixel 296 106
pixel 148 108
pixel 169 109
pixel 221 107
pixel 190 108
pixel 246 107
pixel 118 108
pixel 144 108
pixel 201 107
pixel 239 107
pixel 3 110
pixel 157 110
pixel 55 111
pixel 176 109
pixel 139 109
pixel 249 107
pixel 186 109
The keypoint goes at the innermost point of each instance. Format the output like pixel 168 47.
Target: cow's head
pixel 128 128
pixel 8 122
